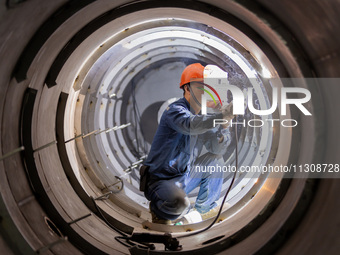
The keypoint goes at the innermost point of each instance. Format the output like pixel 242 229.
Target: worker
pixel 168 174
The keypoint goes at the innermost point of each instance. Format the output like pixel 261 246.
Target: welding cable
pixel 226 194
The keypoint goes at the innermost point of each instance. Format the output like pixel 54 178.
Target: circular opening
pixel 119 80
pixel 125 83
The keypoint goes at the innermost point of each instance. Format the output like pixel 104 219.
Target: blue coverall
pixel 178 142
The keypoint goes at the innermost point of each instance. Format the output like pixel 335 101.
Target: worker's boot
pixel 157 220
pixel 213 212
pixel 191 217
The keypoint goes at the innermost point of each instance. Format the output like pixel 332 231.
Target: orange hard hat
pixel 193 71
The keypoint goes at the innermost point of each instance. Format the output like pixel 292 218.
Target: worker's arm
pixel 183 121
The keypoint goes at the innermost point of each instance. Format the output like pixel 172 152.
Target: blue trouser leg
pixel 168 199
pixel 210 182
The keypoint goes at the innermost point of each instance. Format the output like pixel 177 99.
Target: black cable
pixel 225 196
pixel 137 118
pixel 134 243
pixel 106 221
pixel 141 130
pixel 117 238
pixel 123 235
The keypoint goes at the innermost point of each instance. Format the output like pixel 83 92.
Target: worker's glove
pixel 227 111
pixel 224 135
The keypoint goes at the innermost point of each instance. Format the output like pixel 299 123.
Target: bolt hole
pixel 212 240
pixel 52 227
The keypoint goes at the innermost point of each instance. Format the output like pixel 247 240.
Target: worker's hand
pixel 227 111
pixel 213 105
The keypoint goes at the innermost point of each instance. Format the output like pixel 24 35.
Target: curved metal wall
pixel 46 207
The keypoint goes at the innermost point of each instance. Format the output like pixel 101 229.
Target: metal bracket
pixel 106 195
pixel 45 146
pixel 12 153
pixel 79 219
pixel 49 246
